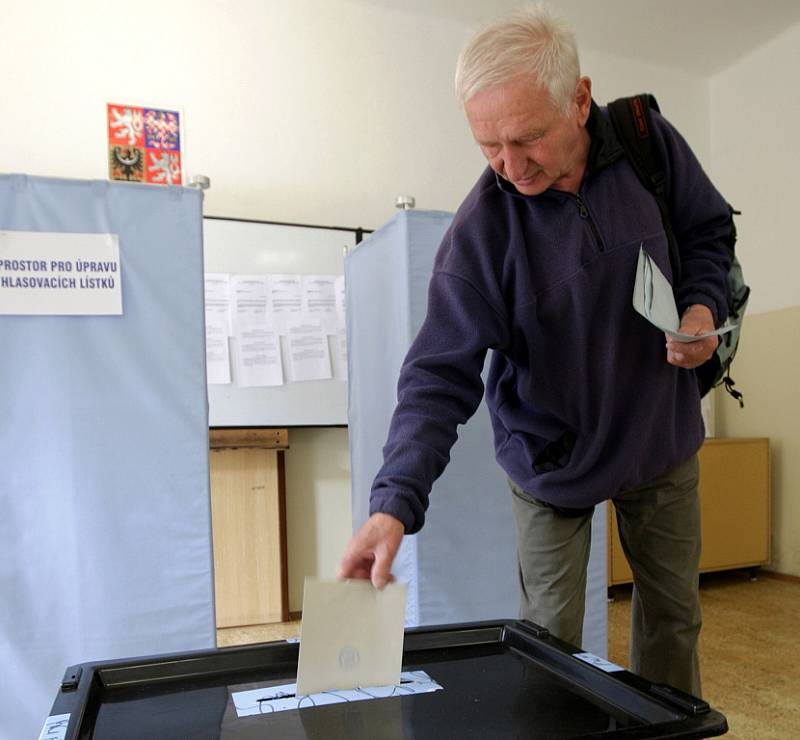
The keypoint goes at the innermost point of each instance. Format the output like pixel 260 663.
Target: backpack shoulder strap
pixel 633 124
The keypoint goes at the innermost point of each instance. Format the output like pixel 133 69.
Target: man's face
pixel 526 139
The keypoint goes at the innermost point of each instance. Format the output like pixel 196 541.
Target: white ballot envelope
pixel 653 298
pixel 351 635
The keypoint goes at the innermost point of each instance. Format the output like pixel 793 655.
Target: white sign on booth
pixel 54 273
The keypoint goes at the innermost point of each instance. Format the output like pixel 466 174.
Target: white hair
pixel 531 41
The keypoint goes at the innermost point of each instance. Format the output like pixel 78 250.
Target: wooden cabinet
pixel 734 506
pixel 248 519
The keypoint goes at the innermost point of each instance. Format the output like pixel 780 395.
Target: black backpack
pixel 633 124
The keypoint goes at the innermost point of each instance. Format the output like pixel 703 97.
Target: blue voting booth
pixel 105 532
pixel 462 565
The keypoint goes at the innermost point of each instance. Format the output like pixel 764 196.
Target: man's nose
pixel 514 162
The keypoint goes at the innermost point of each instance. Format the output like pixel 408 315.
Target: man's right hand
pixel 371 552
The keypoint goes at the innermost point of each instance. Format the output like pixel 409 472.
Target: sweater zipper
pixel 584 214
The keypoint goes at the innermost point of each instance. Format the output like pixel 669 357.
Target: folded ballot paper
pixel 653 298
pixel 351 635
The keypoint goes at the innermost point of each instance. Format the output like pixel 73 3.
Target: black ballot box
pixel 506 679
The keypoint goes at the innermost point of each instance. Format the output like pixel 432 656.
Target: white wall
pixel 309 110
pixel 755 107
pixel 318 508
pixel 315 111
pixel 683 98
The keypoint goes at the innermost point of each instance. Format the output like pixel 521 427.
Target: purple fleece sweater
pixel 583 402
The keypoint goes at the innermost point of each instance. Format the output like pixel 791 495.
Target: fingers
pixel 690 355
pixel 354 566
pixel 381 568
pixel 367 565
pixel 358 559
pixel 371 552
pixel 696 320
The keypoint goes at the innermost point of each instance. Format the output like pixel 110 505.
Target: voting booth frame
pixel 106 533
pixel 462 565
pixel 498 679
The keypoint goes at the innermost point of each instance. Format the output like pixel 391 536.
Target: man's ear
pixel 583 99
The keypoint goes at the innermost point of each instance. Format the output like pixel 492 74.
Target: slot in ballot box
pixel 504 679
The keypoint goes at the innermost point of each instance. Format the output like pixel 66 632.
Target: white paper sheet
pixel 258 358
pixel 218 363
pixel 653 298
pixel 339 288
pixel 55 727
pixel 280 698
pixel 249 302
pixel 285 300
pixel 341 345
pixel 341 325
pixel 309 356
pixel 60 274
pixel 319 300
pixel 351 635
pixel 218 299
pixel 598 662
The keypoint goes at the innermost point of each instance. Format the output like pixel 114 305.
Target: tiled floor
pixel 749 652
pixel 257 633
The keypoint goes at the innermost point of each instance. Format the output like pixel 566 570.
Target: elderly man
pixel 588 401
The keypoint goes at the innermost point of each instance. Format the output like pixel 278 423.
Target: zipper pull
pixel 582 209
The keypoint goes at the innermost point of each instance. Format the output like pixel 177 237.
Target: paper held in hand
pixel 653 298
pixel 351 635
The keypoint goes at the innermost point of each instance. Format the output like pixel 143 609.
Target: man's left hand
pixel 697 319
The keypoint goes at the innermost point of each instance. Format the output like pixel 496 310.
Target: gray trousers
pixel 659 528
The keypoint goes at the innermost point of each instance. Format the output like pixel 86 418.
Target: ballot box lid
pixel 498 679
